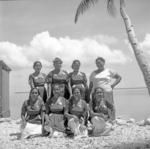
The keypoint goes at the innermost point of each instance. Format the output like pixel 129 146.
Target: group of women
pixel 64 102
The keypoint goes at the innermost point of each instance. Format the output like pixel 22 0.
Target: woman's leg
pixel 74 126
pixel 98 125
pixel 108 95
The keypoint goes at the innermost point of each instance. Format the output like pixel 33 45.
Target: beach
pixel 126 134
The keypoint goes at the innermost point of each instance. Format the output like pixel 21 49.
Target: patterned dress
pixel 32 112
pixel 80 80
pixel 60 78
pixel 79 110
pixel 100 123
pixel 55 110
pixel 39 81
pixel 103 107
pixel 32 125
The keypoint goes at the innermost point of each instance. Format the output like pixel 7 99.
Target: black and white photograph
pixel 74 74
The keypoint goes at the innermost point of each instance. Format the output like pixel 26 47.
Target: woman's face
pixel 100 64
pixel 37 67
pixel 34 94
pixel 56 90
pixel 77 94
pixel 76 66
pixel 99 94
pixel 57 65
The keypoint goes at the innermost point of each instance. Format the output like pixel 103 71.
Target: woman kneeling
pixel 100 113
pixel 31 115
pixel 77 113
pixel 54 116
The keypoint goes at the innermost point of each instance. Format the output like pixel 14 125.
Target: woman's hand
pixel 75 118
pixel 81 121
pixel 112 86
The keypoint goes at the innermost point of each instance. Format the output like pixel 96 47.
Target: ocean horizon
pixel 129 103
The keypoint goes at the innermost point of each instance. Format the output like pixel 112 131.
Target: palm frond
pixel 83 6
pixel 111 8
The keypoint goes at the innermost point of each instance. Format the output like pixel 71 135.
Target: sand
pixel 126 134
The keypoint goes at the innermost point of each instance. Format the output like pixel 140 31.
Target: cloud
pixel 12 54
pixel 105 39
pixel 44 47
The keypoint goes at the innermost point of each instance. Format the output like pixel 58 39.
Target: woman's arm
pixel 69 83
pixel 48 81
pixel 90 88
pixel 69 88
pixel 49 90
pixel 66 111
pixel 23 111
pixel 117 78
pixel 92 113
pixel 31 82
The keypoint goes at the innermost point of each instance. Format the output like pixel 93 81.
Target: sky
pixel 33 30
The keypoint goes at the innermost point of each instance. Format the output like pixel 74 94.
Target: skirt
pixel 28 130
pixel 77 127
pixel 56 122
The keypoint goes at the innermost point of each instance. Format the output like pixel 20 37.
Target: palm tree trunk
pixel 139 54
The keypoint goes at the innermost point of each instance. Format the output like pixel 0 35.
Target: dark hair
pixel 94 97
pixel 100 58
pixel 98 88
pixel 77 87
pixel 94 93
pixel 36 63
pixel 75 61
pixel 57 59
pixel 53 86
pixel 32 90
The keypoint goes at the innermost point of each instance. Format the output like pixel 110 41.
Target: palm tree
pixel 139 54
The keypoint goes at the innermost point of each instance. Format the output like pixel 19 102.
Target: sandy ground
pixel 125 135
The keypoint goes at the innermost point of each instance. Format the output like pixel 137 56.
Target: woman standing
pixel 31 114
pixel 54 116
pixel 59 76
pixel 79 79
pixel 106 79
pixel 37 79
pixel 77 113
pixel 100 112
